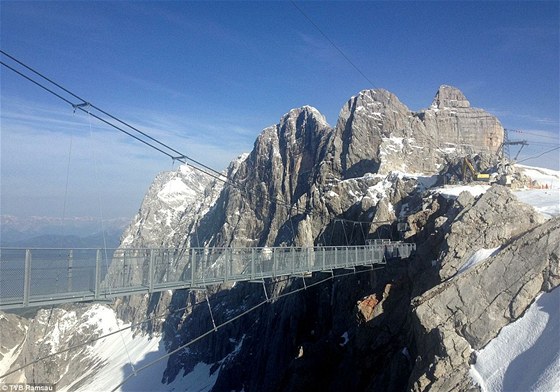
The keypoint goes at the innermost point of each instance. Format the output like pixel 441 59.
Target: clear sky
pixel 207 77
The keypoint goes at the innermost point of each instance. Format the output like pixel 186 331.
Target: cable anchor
pixel 180 158
pixel 80 105
pixel 265 293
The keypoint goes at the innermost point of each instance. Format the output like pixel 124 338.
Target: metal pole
pixel 193 265
pixel 335 256
pixel 273 261
pixel 151 272
pixel 292 251
pixel 70 264
pixel 97 273
pixel 252 263
pixel 227 261
pixel 124 268
pixel 27 277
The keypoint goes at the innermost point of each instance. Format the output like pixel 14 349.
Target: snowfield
pixel 525 356
pixel 118 351
pixel 478 257
pixel 546 201
pixel 453 191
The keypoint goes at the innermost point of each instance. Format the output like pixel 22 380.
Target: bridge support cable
pixel 210 309
pixel 265 292
pixel 540 155
pixel 167 314
pixel 303 279
pixel 219 326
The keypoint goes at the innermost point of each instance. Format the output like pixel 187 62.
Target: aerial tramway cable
pixel 161 147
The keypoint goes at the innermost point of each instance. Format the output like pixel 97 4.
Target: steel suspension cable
pixel 217 327
pixel 84 101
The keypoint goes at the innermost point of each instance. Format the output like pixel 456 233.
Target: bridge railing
pixel 43 276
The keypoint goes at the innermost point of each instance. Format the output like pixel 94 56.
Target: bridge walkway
pixel 40 277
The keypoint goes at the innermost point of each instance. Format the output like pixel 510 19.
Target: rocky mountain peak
pixel 374 100
pixel 305 112
pixel 449 97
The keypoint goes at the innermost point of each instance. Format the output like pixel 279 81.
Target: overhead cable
pixel 534 134
pixel 178 156
pixel 163 148
pixel 540 155
pixel 332 43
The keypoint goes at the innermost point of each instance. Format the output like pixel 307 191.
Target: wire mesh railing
pixel 35 277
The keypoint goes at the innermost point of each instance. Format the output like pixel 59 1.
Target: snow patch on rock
pixel 478 257
pixel 525 356
pixel 453 191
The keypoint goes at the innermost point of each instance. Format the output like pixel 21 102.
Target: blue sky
pixel 207 77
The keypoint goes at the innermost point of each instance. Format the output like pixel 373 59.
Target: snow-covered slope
pixel 125 353
pixel 546 198
pixel 525 356
pixel 170 208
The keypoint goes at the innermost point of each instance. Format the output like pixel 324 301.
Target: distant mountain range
pixel 74 232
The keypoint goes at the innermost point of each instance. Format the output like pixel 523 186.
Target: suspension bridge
pixel 40 277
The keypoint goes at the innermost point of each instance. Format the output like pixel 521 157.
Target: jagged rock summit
pixel 377 133
pixel 449 97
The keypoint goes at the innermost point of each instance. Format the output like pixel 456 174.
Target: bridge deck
pixel 38 277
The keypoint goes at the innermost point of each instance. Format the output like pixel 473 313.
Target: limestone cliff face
pixel 13 331
pixel 172 205
pixel 455 124
pixel 267 197
pixel 298 165
pixel 464 313
pixel 489 222
pixel 378 133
